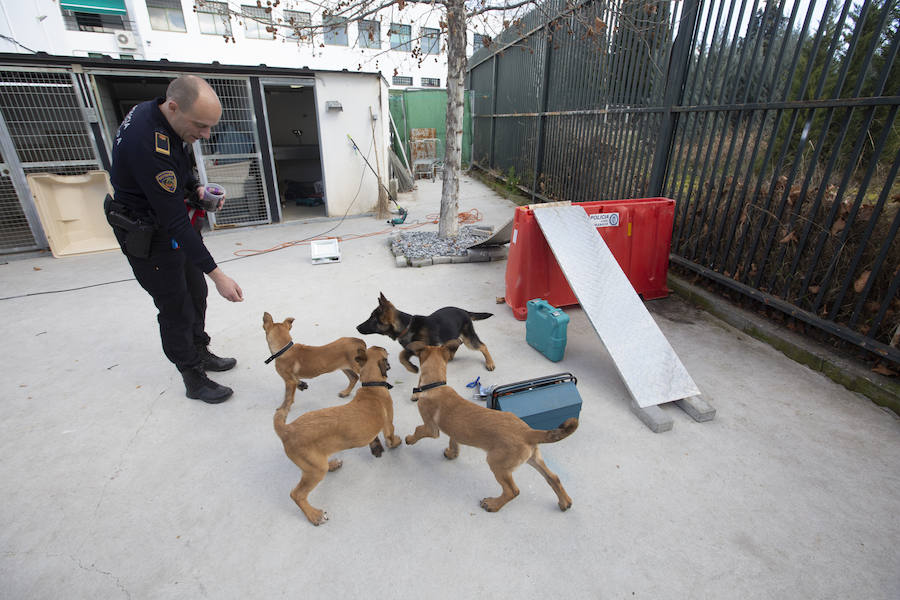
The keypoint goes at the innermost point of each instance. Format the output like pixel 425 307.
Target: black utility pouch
pixel 138 234
pixel 137 241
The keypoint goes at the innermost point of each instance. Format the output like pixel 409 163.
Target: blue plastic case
pixel 543 403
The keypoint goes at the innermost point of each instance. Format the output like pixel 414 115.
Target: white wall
pixel 343 167
pixel 39 25
pixel 286 53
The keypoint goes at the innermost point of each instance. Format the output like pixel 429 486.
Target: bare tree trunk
pixel 448 226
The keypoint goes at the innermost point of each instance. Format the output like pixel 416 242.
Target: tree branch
pixel 489 8
pixel 362 8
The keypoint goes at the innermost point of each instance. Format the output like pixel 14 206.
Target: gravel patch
pixel 427 244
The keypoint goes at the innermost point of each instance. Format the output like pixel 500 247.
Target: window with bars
pixel 431 40
pixel 480 41
pixel 298 23
pixel 166 15
pixel 335 31
pixel 369 34
pixel 214 19
pixel 400 37
pixel 82 21
pixel 431 82
pixel 401 80
pixel 256 20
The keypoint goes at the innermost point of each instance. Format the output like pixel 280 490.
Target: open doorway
pixel 119 94
pixel 294 134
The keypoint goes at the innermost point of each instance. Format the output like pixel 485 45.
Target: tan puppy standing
pixel 313 437
pixel 295 362
pixel 506 438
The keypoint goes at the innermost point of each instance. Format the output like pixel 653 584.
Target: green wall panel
pixel 412 109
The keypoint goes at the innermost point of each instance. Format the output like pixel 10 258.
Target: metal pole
pixel 545 85
pixel 679 62
pixel 490 164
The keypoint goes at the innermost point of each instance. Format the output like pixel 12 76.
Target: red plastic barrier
pixel 638 232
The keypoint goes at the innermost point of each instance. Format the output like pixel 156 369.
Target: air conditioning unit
pixel 125 40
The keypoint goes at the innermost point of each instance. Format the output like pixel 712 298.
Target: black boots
pixel 211 362
pixel 200 387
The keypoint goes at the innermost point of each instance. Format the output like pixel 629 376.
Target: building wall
pixel 40 94
pixel 350 186
pixel 39 25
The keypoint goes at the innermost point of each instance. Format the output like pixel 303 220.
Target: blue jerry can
pixel 545 329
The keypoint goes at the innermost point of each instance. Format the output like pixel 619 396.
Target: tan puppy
pixel 506 438
pixel 297 361
pixel 316 435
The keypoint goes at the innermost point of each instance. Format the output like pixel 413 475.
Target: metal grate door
pixel 43 130
pixel 232 158
pixel 15 231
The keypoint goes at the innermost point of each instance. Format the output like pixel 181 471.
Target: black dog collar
pixel 279 353
pixel 377 384
pixel 429 386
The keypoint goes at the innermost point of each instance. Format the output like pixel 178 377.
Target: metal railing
pixel 772 125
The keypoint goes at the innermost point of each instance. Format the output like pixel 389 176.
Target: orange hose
pixel 465 217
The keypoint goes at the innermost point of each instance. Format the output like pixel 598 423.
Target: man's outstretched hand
pixel 226 286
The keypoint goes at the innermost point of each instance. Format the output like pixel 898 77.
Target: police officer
pixel 152 175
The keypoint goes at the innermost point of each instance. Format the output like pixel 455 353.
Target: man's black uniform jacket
pixel 152 174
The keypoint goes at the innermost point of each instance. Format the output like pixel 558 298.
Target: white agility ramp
pixel 652 372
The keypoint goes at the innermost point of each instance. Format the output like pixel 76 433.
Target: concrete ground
pixel 116 485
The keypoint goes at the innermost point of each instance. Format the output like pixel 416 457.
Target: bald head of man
pixel 191 107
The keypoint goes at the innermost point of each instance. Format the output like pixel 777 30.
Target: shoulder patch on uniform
pixel 167 180
pixel 162 143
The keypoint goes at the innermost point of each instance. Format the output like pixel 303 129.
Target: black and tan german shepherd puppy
pixel 443 325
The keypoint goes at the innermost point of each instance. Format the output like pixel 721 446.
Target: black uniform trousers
pixel 179 291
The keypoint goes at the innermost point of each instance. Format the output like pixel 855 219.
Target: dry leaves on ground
pixel 883 369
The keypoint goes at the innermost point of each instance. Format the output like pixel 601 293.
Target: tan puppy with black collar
pixel 295 362
pixel 313 437
pixel 506 438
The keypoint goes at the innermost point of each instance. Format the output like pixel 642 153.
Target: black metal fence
pixel 772 125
